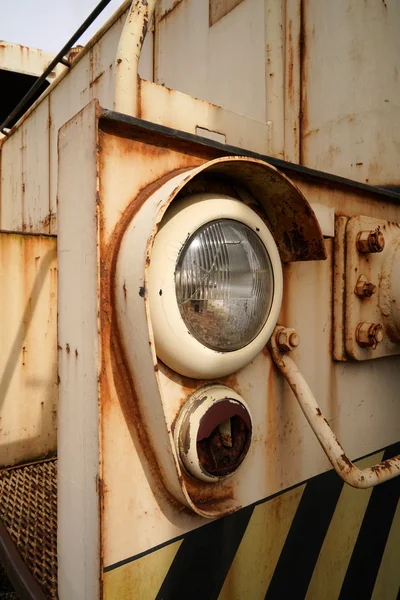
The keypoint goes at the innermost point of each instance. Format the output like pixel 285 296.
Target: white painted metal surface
pixel 326 218
pixel 180 111
pixel 31 61
pixel 291 90
pixel 274 103
pixel 223 63
pixel 92 76
pixel 293 453
pixel 79 483
pixel 28 347
pixel 274 74
pixel 350 89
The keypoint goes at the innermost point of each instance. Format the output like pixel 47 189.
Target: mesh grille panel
pixel 28 509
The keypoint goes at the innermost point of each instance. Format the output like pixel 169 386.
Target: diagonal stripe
pixel 340 539
pixel 141 577
pixel 255 561
pixel 388 581
pixel 203 560
pixel 303 543
pixel 368 551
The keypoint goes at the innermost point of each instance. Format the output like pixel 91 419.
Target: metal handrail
pixel 127 59
pixel 60 58
pixel 359 478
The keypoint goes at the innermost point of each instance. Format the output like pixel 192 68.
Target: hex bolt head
pixel 369 335
pixel 370 241
pixel 287 339
pixel 364 288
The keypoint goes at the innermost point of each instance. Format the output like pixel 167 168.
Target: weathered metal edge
pixel 16 570
pixel 306 173
pixel 28 233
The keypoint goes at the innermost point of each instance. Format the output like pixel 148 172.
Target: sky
pixel 48 24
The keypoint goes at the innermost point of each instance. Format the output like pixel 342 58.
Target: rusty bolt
pixel 364 288
pixel 369 335
pixel 370 241
pixel 73 53
pixel 288 339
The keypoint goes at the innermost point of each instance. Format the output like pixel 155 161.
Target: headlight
pixel 214 285
pixel 224 285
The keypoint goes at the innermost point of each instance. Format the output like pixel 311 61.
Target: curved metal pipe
pixel 127 60
pixel 343 466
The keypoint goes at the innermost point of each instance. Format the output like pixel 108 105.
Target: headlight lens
pixel 224 285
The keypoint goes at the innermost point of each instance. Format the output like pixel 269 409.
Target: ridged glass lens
pixel 224 285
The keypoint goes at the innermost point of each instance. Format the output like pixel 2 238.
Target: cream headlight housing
pixel 215 286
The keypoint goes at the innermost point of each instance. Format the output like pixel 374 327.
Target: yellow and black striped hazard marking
pixel 321 540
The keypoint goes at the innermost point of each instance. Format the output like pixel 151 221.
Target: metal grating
pixel 28 509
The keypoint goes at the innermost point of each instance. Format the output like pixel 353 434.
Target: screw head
pixel 370 241
pixel 369 335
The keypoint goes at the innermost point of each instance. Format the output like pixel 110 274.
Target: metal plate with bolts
pixel 365 308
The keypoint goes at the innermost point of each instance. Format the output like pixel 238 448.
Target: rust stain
pixel 113 353
pixel 291 65
pixel 289 215
pixel 96 79
pixel 232 381
pixel 303 240
pixel 272 440
pixel 383 466
pixel 187 386
pixel 303 115
pixel 203 493
pixel 73 53
pixel 346 461
pixel 45 223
